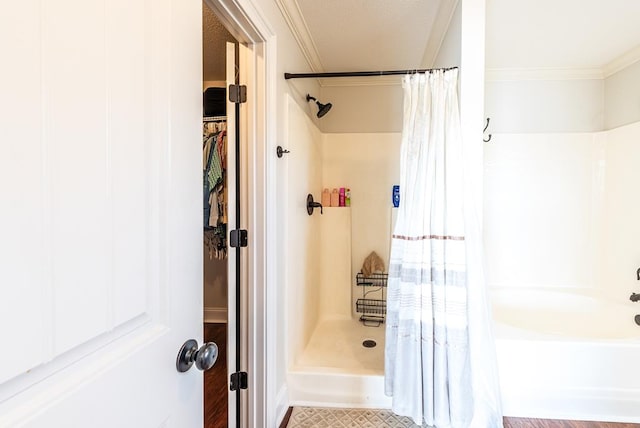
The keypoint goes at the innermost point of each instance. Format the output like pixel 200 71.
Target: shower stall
pixel 328 363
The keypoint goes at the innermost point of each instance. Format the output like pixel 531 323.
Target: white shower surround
pixel 581 368
pixel 560 244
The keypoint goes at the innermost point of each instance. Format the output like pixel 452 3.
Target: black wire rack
pixel 373 304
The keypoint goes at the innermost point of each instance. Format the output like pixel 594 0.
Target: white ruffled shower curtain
pixel 440 363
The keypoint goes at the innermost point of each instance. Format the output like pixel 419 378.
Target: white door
pixel 100 212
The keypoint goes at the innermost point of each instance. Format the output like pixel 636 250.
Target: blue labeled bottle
pixel 396 196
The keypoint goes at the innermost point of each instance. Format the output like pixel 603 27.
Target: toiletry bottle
pixel 335 198
pixel 326 198
pixel 341 197
pixel 347 198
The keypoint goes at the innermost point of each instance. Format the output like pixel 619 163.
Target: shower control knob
pixel 204 358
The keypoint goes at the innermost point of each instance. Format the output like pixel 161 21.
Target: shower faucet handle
pixel 311 204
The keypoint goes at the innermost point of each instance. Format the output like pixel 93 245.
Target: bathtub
pixel 567 354
pixel 562 354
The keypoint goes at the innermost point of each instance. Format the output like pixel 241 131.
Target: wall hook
pixel 280 151
pixel 485 130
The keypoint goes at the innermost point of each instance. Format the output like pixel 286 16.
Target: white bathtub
pixel 567 354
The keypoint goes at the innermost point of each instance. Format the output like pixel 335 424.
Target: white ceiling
pixel 368 35
pixel 356 35
pixel 561 34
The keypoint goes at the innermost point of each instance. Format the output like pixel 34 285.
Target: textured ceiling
pixel 356 35
pixel 595 37
pixel 367 35
pixel 214 38
pixel 560 34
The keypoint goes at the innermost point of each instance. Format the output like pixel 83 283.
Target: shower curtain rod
pixel 363 73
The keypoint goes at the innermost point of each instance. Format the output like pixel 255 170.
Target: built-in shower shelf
pixel 373 304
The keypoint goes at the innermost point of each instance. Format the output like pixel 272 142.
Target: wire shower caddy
pixel 373 304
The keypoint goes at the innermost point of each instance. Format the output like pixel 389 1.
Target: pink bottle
pixel 341 197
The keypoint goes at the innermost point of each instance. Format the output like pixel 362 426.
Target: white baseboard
pixel 282 404
pixel 215 315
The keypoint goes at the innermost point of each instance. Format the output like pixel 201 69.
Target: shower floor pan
pixel 337 370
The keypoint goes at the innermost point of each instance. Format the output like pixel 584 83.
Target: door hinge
pixel 238 94
pixel 239 379
pixel 238 238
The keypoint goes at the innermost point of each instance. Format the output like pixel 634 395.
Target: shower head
pixel 322 108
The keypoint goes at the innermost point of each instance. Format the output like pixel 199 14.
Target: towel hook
pixel 485 130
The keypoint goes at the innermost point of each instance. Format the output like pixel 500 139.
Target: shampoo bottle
pixel 326 198
pixel 341 197
pixel 335 198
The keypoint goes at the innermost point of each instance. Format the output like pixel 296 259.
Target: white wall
pixel 213 84
pixel 369 164
pixel 622 97
pixel 544 106
pixel 376 108
pixel 302 249
pixel 215 288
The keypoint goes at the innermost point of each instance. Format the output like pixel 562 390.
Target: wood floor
pixel 543 423
pixel 531 423
pixel 215 379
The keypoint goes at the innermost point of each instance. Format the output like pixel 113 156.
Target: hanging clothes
pixel 214 188
pixel 429 351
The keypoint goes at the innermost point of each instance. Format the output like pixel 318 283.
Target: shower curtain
pixel 440 364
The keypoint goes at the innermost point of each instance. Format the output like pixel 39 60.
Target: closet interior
pixel 214 167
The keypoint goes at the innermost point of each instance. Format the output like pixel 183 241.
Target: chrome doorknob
pixel 205 357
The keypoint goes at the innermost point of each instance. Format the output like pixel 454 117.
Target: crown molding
pixel 438 32
pixel 293 16
pixel 510 74
pixel 622 62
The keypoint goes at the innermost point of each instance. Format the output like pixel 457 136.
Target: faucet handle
pixel 311 204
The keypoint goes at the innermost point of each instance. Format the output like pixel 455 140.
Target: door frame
pixel 249 27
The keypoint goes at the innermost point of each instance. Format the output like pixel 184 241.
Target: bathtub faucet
pixel 634 297
pixel 638 274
